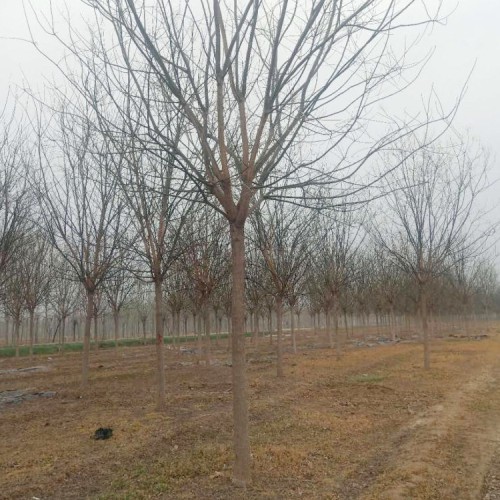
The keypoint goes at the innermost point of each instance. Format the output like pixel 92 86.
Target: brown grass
pixel 373 425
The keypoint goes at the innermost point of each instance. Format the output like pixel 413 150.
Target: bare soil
pixel 373 425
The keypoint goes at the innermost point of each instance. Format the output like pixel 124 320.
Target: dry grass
pixel 372 425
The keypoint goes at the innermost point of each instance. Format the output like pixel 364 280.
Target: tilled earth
pixel 372 425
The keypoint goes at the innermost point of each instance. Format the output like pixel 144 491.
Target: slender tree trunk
pixel 86 338
pixel 229 333
pixel 63 333
pixel 37 324
pixel 31 330
pixel 206 323
pixel 257 328
pixel 96 331
pixel 329 328
pixel 270 326
pixel 338 339
pixel 346 323
pixel 292 326
pixel 103 328
pixel 252 325
pixel 279 343
pixel 159 343
pixel 199 330
pixel 392 322
pixel 7 325
pixel 17 325
pixel 116 324
pixel 217 328
pixel 241 469
pixel 143 322
pixel 425 325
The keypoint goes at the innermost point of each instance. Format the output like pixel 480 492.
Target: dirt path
pixel 451 450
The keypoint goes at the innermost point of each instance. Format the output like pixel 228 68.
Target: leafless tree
pixel 80 202
pixel 258 85
pixel 339 239
pixel 14 191
pixel 118 290
pixel 431 215
pixel 281 233
pixel 205 258
pixel 64 295
pixel 36 275
pixel 14 298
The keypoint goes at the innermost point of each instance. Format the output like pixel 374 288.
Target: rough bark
pixel 17 324
pixel 63 334
pixel 241 470
pixel 159 344
pixel 292 326
pixel 425 324
pixel 86 338
pixel 31 331
pixel 206 322
pixel 116 324
pixel 279 343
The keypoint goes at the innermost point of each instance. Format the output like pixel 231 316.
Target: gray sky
pixel 471 36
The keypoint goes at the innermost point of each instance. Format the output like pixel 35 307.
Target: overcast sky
pixel 471 36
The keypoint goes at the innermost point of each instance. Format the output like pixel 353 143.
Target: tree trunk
pixel 199 329
pixel 31 331
pixel 279 343
pixel 96 331
pixel 116 324
pixel 143 323
pixel 338 340
pixel 329 328
pixel 425 325
pixel 346 323
pixel 7 324
pixel 241 469
pixel 86 338
pixel 206 323
pixel 257 328
pixel 63 333
pixel 217 328
pixel 270 326
pixel 392 322
pixel 17 324
pixel 159 343
pixel 292 326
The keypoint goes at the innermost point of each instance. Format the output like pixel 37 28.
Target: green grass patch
pixel 366 378
pixel 48 349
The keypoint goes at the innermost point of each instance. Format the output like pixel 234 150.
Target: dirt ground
pixel 372 425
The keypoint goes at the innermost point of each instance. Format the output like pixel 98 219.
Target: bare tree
pixel 281 234
pixel 430 214
pixel 339 239
pixel 118 290
pixel 258 84
pixel 14 192
pixel 36 275
pixel 14 298
pixel 64 295
pixel 205 258
pixel 81 207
